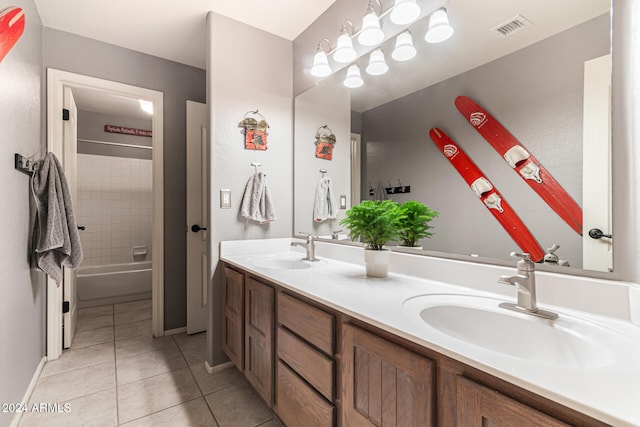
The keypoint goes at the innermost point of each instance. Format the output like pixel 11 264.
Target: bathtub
pixel 111 284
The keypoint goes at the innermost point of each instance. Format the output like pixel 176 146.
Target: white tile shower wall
pixel 115 206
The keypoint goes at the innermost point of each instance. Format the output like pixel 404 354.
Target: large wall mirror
pixel 548 83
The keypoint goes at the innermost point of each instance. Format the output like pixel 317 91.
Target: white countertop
pixel 610 393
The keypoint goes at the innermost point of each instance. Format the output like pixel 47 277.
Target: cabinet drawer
pixel 312 324
pixel 297 404
pixel 310 364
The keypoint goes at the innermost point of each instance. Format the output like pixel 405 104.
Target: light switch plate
pixel 225 198
pixel 343 201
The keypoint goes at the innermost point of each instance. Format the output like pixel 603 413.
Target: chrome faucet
pixel 525 282
pixel 309 244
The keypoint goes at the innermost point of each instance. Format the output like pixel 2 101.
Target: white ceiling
pixel 97 101
pixel 176 31
pixel 170 29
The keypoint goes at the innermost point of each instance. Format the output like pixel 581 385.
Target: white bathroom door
pixel 69 163
pixel 597 254
pixel 197 272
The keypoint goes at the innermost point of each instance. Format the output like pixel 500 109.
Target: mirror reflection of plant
pixel 414 224
pixel 376 222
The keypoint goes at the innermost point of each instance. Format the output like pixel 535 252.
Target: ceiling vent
pixel 511 26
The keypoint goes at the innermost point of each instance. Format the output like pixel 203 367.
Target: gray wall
pixel 532 92
pixel 91 127
pixel 22 306
pixel 254 71
pixel 311 112
pixel 179 83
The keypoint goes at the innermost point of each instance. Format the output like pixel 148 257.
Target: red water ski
pixel 11 28
pixel 522 162
pixel 488 194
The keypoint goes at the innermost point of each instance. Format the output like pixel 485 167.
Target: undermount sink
pixel 568 341
pixel 280 262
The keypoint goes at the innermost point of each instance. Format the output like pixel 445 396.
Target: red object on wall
pixel 127 131
pixel 255 140
pixel 324 150
pixel 522 162
pixel 11 28
pixel 488 194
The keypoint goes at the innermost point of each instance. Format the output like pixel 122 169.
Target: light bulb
pixel 146 106
pixel 321 66
pixel 404 49
pixel 439 28
pixel 377 65
pixel 371 33
pixel 405 12
pixel 353 79
pixel 344 49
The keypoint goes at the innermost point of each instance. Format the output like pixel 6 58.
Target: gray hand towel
pixel 324 203
pixel 56 242
pixel 257 204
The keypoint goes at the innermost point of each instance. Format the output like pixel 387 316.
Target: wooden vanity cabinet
pixel 480 406
pixel 384 384
pixel 248 327
pixel 305 369
pixel 317 367
pixel 258 332
pixel 233 316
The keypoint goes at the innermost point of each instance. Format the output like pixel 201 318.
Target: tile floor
pixel 117 374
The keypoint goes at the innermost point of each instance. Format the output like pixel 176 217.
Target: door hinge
pixel 65 114
pixel 65 307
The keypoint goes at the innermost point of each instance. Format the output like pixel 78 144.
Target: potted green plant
pixel 375 222
pixel 414 222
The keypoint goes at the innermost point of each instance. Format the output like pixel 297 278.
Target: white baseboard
pixel 176 331
pixel 27 395
pixel 217 368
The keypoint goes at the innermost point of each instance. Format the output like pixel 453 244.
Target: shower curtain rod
pixel 117 144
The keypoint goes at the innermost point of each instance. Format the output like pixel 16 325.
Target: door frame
pixel 56 81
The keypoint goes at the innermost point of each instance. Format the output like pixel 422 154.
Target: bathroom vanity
pixel 324 345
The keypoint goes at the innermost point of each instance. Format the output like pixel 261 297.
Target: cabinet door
pixel 479 406
pixel 233 316
pixel 384 384
pixel 259 324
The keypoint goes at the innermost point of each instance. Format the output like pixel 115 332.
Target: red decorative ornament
pixel 325 141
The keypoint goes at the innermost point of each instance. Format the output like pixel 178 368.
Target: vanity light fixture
pixel 321 66
pixel 371 34
pixel 439 28
pixel 404 49
pixel 402 13
pixel 146 106
pixel 345 52
pixel 377 65
pixel 405 12
pixel 353 79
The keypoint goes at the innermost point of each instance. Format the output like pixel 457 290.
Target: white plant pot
pixel 377 262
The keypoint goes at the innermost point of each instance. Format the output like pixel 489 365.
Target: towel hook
pixel 323 171
pixel 256 165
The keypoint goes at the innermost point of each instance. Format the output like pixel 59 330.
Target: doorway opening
pixel 98 169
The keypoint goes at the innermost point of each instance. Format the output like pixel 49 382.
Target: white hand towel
pixel 324 203
pixel 381 194
pixel 56 242
pixel 257 204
